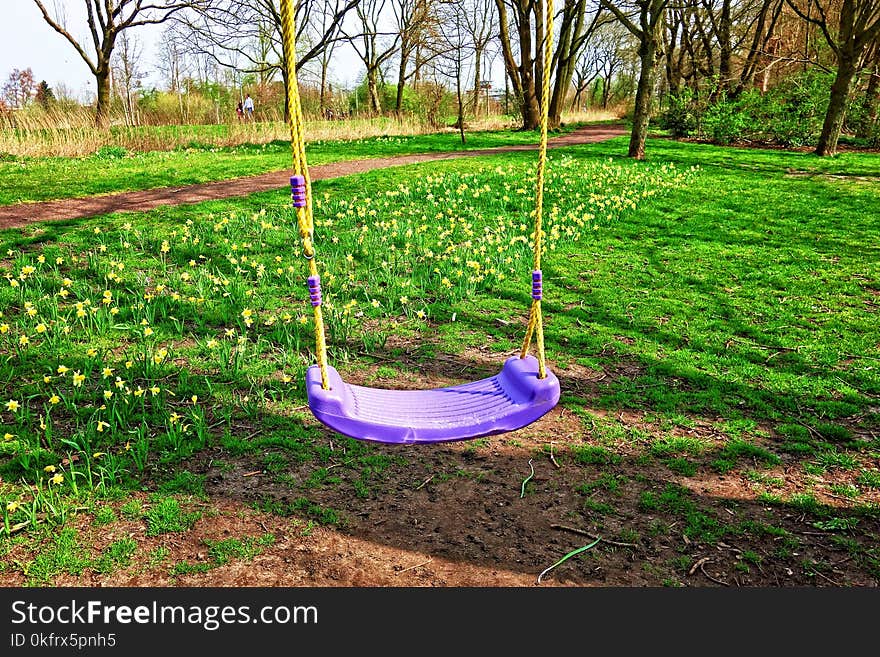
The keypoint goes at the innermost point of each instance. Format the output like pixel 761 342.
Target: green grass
pixel 166 515
pixel 739 297
pixel 64 555
pixel 115 170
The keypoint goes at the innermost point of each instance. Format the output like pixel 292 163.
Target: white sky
pixel 27 41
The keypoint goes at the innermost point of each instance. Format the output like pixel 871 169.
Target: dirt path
pixel 16 216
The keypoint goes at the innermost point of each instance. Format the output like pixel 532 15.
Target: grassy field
pixel 113 169
pixel 711 313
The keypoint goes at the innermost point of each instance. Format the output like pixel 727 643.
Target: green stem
pixel 522 492
pixel 569 556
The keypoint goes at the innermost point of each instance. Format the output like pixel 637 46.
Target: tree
pixel 126 72
pixel 600 61
pixel 849 37
pixel 574 34
pixel 245 35
pixel 525 72
pixel 645 22
pixel 481 26
pixel 765 21
pixel 44 95
pixel 373 46
pixel 19 88
pixel 413 19
pixel 106 20
pixel 456 49
pixel 871 100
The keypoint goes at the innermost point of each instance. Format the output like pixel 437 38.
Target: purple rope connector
pixel 315 290
pixel 536 285
pixel 298 191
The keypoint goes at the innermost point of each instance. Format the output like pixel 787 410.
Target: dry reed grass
pixel 72 133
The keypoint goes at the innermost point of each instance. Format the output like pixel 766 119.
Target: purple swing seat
pixel 507 401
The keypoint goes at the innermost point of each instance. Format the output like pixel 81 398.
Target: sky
pixel 27 41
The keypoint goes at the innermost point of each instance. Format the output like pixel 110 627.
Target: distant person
pixel 249 107
pixel 239 110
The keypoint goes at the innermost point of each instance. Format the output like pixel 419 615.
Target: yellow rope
pixel 304 217
pixel 536 320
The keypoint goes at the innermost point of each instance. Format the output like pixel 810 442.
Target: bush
pixel 793 111
pixel 726 121
pixel 789 114
pixel 681 114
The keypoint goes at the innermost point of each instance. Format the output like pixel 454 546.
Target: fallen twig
pixel 425 482
pixel 522 492
pixel 698 564
pixel 553 458
pixel 575 530
pixel 18 527
pixel 424 563
pixel 717 581
pixel 566 557
pixel 816 572
pixel 252 474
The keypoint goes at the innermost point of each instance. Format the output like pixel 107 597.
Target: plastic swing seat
pixel 505 402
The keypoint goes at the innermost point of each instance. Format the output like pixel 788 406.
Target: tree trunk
pixel 286 99
pixel 401 83
pixel 322 101
pixel 478 72
pixel 529 107
pixel 460 94
pixel 373 89
pixel 642 110
pixel 102 111
pixel 846 70
pixel 871 104
pixel 725 47
pixel 569 43
pixel 670 38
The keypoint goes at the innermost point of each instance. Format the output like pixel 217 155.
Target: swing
pixel 522 392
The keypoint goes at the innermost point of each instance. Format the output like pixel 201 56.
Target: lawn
pixel 711 314
pixel 113 169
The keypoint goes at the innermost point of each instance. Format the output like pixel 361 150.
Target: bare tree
pixel 413 20
pixel 126 72
pixel 19 88
pixel 644 20
pixel 600 60
pixel 524 67
pixel 456 51
pixel 373 45
pixel 574 34
pixel 106 20
pixel 320 27
pixel 171 59
pixel 849 37
pixel 765 20
pixel 246 34
pixel 481 25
